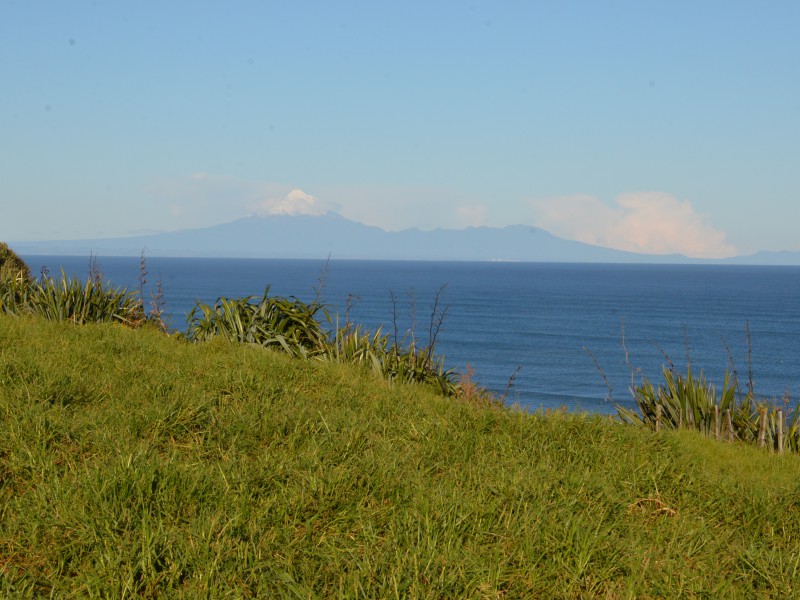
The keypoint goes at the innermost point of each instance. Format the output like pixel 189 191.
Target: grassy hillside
pixel 133 464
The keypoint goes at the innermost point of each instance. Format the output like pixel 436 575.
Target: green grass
pixel 133 464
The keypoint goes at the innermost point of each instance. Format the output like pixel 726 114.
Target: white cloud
pixel 472 216
pixel 296 202
pixel 650 222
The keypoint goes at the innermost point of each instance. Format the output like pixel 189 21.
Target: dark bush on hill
pixel 10 264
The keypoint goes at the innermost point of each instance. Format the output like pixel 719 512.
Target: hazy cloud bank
pixel 204 199
pixel 472 216
pixel 650 222
pixel 395 208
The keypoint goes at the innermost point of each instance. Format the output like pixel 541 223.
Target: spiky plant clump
pixel 92 301
pixel 389 360
pixel 684 401
pixel 285 323
pixel 691 402
pixel 15 292
pixel 70 299
pixel 291 325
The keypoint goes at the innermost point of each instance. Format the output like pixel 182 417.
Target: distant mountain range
pixel 305 236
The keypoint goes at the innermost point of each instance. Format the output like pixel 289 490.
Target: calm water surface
pixel 552 320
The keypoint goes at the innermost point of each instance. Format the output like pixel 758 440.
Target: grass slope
pixel 132 464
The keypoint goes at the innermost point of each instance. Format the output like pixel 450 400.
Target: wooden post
pixel 780 431
pixel 716 422
pixel 728 425
pixel 658 417
pixel 762 428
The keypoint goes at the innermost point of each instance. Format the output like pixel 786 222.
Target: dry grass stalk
pixel 653 506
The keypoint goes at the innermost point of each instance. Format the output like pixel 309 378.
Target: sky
pixel 648 126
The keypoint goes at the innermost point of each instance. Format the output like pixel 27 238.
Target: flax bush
pixel 691 402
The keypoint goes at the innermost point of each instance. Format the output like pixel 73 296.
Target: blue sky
pixel 669 126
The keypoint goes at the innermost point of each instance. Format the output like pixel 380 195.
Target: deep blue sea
pixel 557 322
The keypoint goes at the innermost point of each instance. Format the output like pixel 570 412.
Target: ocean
pixel 561 330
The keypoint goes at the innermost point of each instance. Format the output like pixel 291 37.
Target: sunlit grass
pixel 134 464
